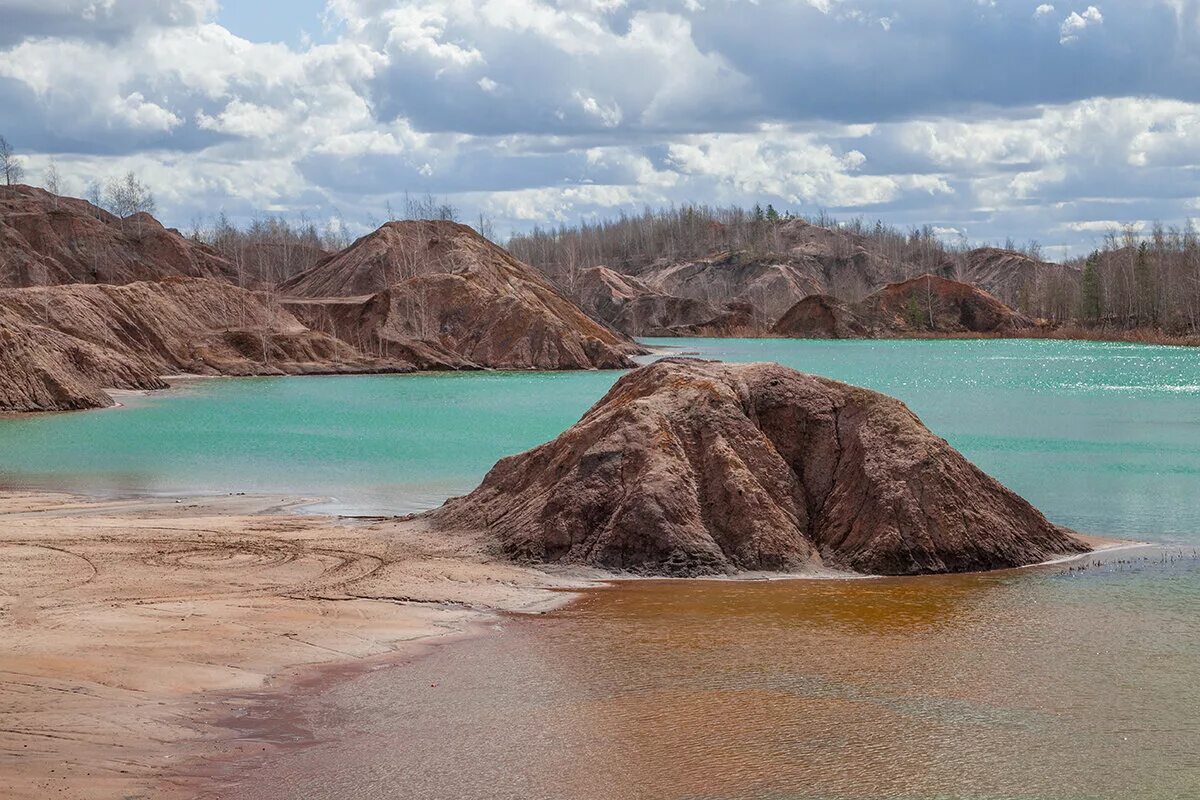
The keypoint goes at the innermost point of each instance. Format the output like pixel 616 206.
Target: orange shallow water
pixel 1041 683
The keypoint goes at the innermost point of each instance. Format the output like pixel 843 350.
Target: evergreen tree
pixel 772 214
pixel 1143 274
pixel 1091 301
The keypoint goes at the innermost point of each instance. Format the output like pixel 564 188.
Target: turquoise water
pixel 1102 437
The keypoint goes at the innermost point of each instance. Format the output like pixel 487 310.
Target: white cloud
pixel 1076 23
pixel 609 115
pixel 1099 226
pixel 539 110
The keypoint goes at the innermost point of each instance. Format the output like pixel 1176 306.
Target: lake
pixel 1049 682
pixel 1102 437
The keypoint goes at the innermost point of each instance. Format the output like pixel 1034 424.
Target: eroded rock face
pixel 691 467
pixel 1013 277
pixel 630 306
pixel 444 285
pixel 48 240
pixel 61 346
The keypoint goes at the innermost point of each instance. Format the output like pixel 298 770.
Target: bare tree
pixel 129 196
pixel 53 181
pixel 10 164
pixel 95 195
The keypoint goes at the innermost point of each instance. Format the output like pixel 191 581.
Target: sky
pixel 987 119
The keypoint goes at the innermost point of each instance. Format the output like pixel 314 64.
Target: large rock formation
pixel 924 305
pixel 61 346
pixel 768 284
pixel 443 284
pixel 692 467
pixel 736 319
pixel 628 305
pixel 49 240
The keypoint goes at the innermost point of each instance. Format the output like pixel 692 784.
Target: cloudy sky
pixel 985 118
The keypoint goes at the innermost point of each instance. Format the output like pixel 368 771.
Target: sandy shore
pixel 126 623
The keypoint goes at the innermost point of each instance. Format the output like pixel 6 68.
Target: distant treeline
pixel 1141 280
pixel 695 231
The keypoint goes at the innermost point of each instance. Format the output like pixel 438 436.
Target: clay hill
pixel 1015 278
pixel 690 467
pixel 50 240
pixel 61 346
pixel 927 304
pixel 442 283
pixel 643 296
pixel 627 304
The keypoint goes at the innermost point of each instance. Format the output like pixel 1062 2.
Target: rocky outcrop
pixel 49 240
pixel 444 285
pixel 820 316
pixel 61 346
pixel 769 285
pixel 692 467
pixel 628 305
pixel 737 319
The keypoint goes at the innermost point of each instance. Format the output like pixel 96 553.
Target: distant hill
pixel 442 283
pixel 50 240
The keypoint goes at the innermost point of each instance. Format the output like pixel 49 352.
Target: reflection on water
pixel 1042 683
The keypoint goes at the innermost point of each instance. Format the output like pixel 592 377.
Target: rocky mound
pixel 692 467
pixel 443 284
pixel 630 306
pixel 737 319
pixel 49 240
pixel 61 346
pixel 769 284
pixel 937 305
pixel 820 316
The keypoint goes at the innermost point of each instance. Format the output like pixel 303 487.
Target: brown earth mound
pixel 445 285
pixel 938 305
pixel 61 346
pixel 927 304
pixel 820 316
pixel 49 240
pixel 692 467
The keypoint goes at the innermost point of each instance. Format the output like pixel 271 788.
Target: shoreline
pixel 132 625
pixel 155 644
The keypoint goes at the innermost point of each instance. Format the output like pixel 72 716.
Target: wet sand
pixel 131 626
pixel 1064 681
